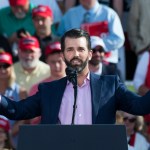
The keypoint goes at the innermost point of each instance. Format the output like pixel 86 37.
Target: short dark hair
pixel 75 33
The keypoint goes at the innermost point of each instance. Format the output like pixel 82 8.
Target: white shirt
pixel 140 142
pixel 141 70
pixel 131 147
pixel 99 71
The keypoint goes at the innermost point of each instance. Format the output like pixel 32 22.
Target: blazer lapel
pixel 96 85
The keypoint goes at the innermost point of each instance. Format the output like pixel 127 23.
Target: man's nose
pixel 40 22
pixel 76 53
pixel 57 65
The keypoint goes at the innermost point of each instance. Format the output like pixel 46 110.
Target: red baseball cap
pixel 6 58
pixel 4 123
pixel 43 11
pixel 17 2
pixel 53 47
pixel 29 43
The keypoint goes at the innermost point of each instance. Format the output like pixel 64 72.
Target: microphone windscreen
pixel 69 70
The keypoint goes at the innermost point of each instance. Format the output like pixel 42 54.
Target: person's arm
pixel 131 102
pixel 140 72
pixel 14 37
pixel 133 24
pixel 21 110
pixel 115 38
pixel 118 7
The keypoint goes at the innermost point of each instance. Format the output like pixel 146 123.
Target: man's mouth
pixel 76 62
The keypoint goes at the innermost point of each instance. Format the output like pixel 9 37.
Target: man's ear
pixel 90 54
pixel 63 56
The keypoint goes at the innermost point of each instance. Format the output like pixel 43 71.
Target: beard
pixel 42 30
pixel 77 67
pixel 20 15
pixel 95 61
pixel 29 64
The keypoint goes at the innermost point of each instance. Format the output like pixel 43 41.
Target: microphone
pixel 72 77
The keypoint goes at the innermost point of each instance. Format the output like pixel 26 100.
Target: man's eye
pixel 81 49
pixel 69 49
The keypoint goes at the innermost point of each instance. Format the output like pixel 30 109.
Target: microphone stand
pixel 72 77
pixel 75 102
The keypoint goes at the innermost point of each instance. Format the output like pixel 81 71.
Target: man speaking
pixel 97 100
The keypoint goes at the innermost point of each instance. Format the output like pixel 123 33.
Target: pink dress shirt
pixel 83 113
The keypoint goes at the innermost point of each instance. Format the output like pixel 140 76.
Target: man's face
pixel 87 4
pixel 5 71
pixel 42 24
pixel 20 11
pixel 57 64
pixel 76 53
pixel 97 56
pixel 29 58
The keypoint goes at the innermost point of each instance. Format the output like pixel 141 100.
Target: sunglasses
pixel 98 50
pixel 4 66
pixel 131 120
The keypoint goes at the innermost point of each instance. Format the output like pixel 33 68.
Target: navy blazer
pixel 108 95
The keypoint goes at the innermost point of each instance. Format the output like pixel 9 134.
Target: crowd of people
pixel 31 51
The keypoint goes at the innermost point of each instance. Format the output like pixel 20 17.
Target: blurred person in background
pixel 30 70
pixel 117 5
pixel 128 58
pixel 5 140
pixel 134 126
pixel 53 5
pixel 16 21
pixel 141 80
pixel 138 28
pixel 119 120
pixel 122 7
pixel 54 58
pixel 98 64
pixel 42 17
pixel 10 88
pixel 98 48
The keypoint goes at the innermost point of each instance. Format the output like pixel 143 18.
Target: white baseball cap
pixel 97 41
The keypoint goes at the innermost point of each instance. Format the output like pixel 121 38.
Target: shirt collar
pixel 85 80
